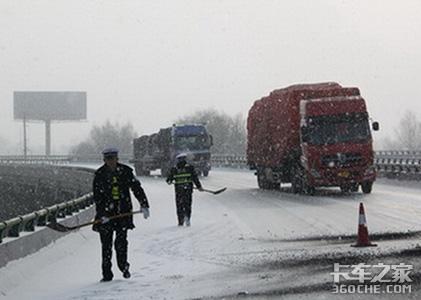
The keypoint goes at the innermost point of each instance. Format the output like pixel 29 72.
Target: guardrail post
pixel 2 229
pixel 29 225
pixel 75 206
pixel 68 210
pixel 83 204
pixel 14 230
pixel 42 218
pixel 52 214
pixel 61 213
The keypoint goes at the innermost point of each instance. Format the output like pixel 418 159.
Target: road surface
pixel 243 244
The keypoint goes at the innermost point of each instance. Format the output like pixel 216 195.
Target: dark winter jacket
pixel 183 175
pixel 116 184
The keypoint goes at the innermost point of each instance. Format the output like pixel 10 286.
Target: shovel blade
pixel 220 191
pixel 215 192
pixel 58 227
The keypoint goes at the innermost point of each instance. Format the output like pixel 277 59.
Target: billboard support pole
pixel 47 137
pixel 24 138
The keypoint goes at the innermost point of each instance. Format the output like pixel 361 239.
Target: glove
pixel 145 212
pixel 104 220
pixel 200 189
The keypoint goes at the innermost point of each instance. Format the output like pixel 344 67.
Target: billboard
pixel 49 105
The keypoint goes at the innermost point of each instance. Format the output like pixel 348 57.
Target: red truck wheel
pixel 367 186
pixel 261 181
pixel 310 190
pixel 299 184
pixel 264 183
pixel 296 185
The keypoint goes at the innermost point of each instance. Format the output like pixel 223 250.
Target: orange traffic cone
pixel 362 239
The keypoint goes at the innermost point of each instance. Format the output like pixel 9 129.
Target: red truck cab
pixel 336 142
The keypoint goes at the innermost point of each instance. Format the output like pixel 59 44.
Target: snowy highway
pixel 243 243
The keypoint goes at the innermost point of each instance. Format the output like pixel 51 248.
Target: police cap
pixel 110 152
pixel 181 156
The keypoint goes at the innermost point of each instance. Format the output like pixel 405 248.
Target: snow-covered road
pixel 264 244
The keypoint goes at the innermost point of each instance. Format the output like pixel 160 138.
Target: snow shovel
pixel 215 192
pixel 210 191
pixel 62 228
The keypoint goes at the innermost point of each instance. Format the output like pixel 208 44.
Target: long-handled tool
pixel 208 191
pixel 62 228
pixel 215 192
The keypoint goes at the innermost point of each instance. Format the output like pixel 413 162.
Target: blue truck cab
pixel 159 150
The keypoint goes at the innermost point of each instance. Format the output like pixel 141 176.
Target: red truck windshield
pixel 321 130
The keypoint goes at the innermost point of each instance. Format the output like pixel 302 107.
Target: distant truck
pixel 158 150
pixel 311 135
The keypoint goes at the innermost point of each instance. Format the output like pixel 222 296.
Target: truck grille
pixel 341 159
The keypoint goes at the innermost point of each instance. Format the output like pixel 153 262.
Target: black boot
pixel 106 279
pixel 126 273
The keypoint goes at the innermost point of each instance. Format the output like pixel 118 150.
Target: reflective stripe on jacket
pixel 183 178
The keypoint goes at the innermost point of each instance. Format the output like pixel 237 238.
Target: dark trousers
pixel 120 245
pixel 183 201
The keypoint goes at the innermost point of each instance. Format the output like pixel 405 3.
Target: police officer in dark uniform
pixel 183 175
pixel 111 186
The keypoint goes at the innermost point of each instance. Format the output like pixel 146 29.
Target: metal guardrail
pixel 398 166
pixel 392 163
pixel 13 227
pixel 55 159
pixel 231 161
pixel 396 161
pixel 32 159
pixel 398 154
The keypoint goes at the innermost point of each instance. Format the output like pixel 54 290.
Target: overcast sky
pixel 149 62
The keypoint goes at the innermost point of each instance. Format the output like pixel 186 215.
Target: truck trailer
pixel 311 135
pixel 158 150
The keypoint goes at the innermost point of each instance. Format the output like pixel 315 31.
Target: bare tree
pixel 387 144
pixel 408 133
pixel 107 135
pixel 6 147
pixel 229 133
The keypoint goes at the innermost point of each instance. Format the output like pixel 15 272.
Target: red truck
pixel 311 135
